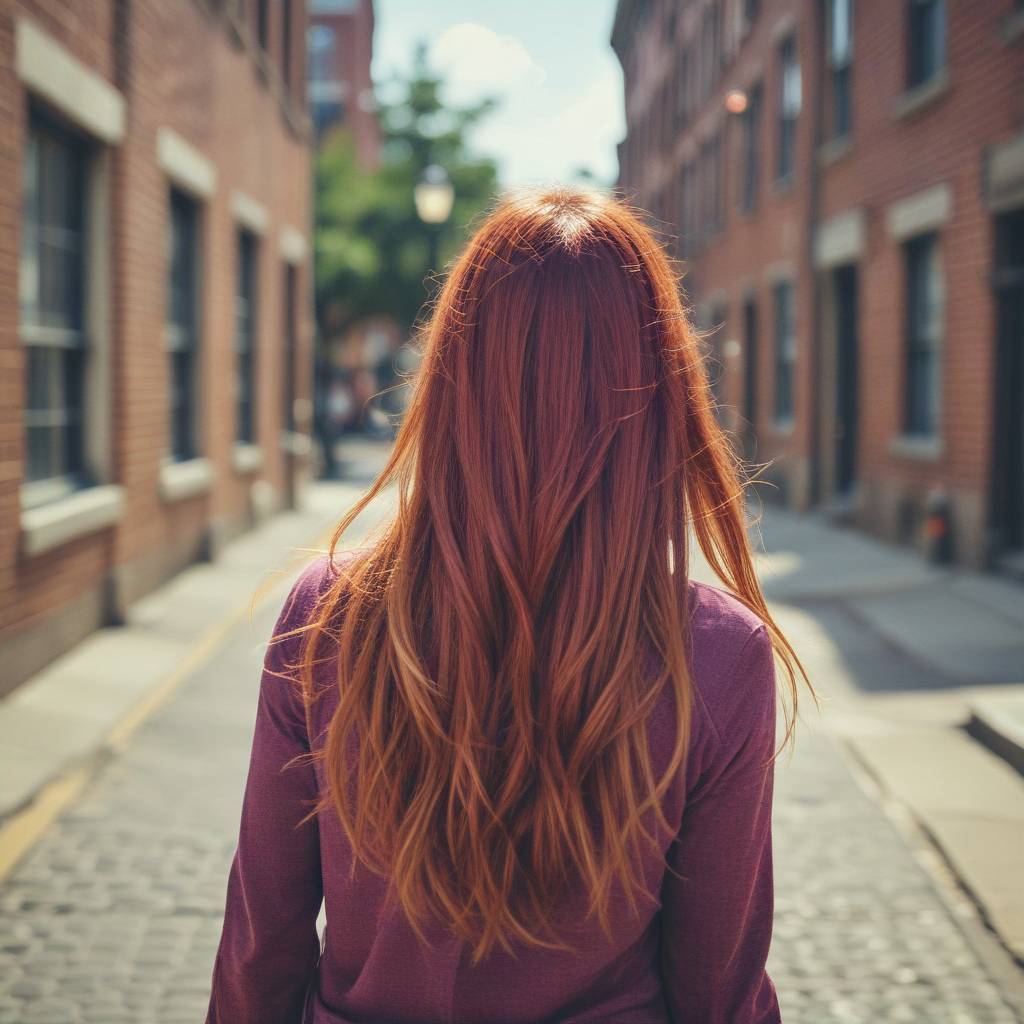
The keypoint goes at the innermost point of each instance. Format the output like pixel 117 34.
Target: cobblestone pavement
pixel 114 916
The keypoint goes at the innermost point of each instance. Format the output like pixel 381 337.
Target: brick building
pixel 340 84
pixel 155 321
pixel 845 182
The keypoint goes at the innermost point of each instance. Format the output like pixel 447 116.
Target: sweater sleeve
pixel 717 920
pixel 269 946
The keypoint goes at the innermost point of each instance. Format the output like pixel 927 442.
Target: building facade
pixel 155 313
pixel 340 43
pixel 844 183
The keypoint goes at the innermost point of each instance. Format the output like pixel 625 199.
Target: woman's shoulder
pixel 312 581
pixel 720 616
pixel 731 656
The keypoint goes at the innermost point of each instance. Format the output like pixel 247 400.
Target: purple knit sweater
pixel 695 956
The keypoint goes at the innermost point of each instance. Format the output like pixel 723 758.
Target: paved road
pixel 115 914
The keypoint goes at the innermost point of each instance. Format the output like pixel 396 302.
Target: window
pixel 840 58
pixel 322 43
pixel 51 289
pixel 683 94
pixel 182 323
pixel 286 43
pixel 714 362
pixel 711 186
pixel 785 349
pixel 288 395
pixel 245 338
pixel 262 23
pixel 710 53
pixel 789 106
pixel 690 228
pixel 750 144
pixel 924 334
pixel 717 172
pixel 744 16
pixel 927 40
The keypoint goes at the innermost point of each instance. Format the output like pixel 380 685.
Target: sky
pixel 547 61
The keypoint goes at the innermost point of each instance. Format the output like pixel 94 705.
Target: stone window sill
pixel 181 480
pixel 924 95
pixel 81 513
pixel 921 448
pixel 247 458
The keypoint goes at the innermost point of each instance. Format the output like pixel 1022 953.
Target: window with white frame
pixel 246 300
pixel 926 39
pixel 790 101
pixel 785 349
pixel 183 323
pixel 924 329
pixel 52 314
pixel 840 63
pixel 750 155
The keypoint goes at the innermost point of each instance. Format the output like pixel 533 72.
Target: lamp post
pixel 434 196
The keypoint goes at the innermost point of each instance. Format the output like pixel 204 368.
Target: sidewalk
pixel 113 908
pixel 917 665
pixel 57 728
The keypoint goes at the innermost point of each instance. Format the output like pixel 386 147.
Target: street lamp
pixel 434 196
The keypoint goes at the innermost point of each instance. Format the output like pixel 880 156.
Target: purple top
pixel 697 955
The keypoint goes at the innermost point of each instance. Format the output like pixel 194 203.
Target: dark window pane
pixel 245 336
pixel 288 379
pixel 51 300
pixel 927 38
pixel 751 151
pixel 182 321
pixel 924 335
pixel 840 60
pixel 785 349
pixel 790 102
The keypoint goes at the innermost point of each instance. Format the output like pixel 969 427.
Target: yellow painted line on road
pixel 25 827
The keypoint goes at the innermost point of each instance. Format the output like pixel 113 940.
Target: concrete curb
pixel 998 722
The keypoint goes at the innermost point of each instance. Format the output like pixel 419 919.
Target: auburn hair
pixel 560 445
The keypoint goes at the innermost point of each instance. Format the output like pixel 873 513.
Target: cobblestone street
pixel 115 914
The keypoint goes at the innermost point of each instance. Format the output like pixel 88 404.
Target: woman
pixel 524 760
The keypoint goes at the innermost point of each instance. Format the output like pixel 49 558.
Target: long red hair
pixel 559 447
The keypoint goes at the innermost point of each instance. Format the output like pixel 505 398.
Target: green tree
pixel 371 248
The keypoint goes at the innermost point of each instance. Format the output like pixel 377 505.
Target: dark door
pixel 1008 478
pixel 846 427
pixel 750 374
pixel 288 393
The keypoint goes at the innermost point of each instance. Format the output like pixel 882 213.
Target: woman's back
pixel 696 952
pixel 529 763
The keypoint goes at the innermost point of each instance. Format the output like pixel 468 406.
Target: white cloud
pixel 541 141
pixel 475 61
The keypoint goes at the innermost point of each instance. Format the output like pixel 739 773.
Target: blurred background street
pixel 223 222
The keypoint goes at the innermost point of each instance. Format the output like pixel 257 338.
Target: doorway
pixel 288 384
pixel 750 376
pixel 1008 474
pixel 846 426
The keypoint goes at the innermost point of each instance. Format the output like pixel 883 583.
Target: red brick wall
pixel 194 69
pixel 891 157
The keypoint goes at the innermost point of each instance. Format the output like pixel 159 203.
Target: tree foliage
pixel 372 250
